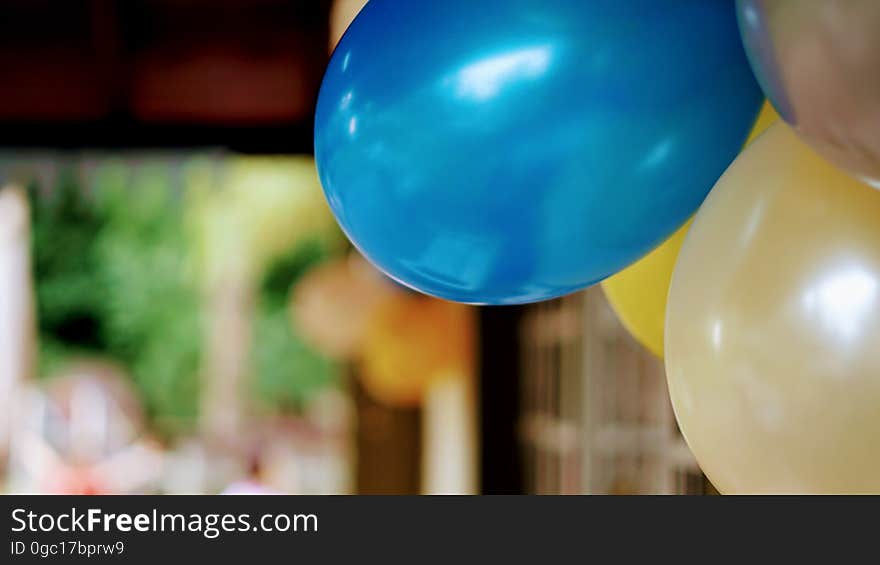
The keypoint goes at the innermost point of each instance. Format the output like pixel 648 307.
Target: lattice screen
pixel 595 413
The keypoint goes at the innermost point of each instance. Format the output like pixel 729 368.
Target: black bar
pixel 442 529
pixel 500 374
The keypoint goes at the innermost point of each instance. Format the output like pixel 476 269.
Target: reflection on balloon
pixel 773 326
pixel 818 62
pixel 411 340
pixel 523 150
pixel 638 293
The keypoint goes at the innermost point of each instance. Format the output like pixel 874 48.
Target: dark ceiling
pixel 144 73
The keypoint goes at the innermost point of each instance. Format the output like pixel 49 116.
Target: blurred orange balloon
pixel 411 340
pixel 331 305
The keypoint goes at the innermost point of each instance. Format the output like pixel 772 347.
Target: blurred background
pixel 180 314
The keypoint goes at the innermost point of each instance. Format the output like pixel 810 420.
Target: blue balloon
pixel 508 151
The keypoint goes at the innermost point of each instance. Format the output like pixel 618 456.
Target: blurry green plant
pixel 111 276
pixel 120 266
pixel 69 305
pixel 288 372
pixel 151 299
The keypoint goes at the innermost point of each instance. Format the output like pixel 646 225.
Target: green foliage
pixel 111 276
pixel 65 226
pixel 151 300
pixel 288 371
pixel 118 273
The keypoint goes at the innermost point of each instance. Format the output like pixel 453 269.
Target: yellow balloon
pixel 638 293
pixel 766 118
pixel 773 328
pixel 411 340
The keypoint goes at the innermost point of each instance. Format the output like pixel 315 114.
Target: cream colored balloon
pixel 773 326
pixel 341 16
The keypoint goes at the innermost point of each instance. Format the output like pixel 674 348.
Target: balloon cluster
pixel 773 322
pixel 500 152
pixel 638 293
